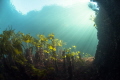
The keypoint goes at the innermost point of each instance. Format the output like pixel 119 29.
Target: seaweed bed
pixel 23 57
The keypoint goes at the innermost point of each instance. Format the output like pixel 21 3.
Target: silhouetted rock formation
pixel 107 56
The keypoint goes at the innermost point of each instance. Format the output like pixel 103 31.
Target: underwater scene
pixel 47 39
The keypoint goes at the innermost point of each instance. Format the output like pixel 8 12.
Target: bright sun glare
pixel 24 6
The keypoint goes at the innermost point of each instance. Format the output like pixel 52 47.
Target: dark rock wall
pixel 107 58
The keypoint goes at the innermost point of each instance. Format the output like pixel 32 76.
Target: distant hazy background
pixel 69 20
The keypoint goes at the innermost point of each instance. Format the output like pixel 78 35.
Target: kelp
pixel 11 50
pixel 36 56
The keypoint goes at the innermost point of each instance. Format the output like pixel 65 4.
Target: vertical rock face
pixel 107 58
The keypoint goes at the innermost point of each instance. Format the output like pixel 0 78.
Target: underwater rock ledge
pixel 107 54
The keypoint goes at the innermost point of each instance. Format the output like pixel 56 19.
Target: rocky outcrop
pixel 107 58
